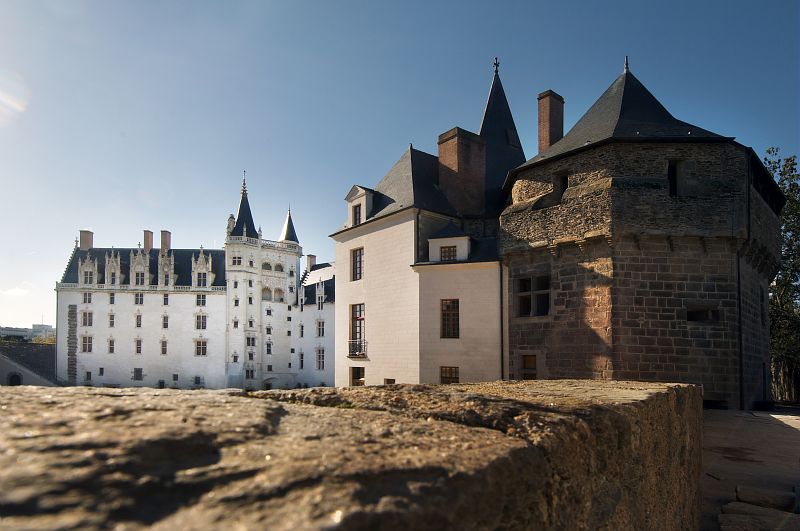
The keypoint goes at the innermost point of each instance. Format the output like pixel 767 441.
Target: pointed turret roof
pixel 288 233
pixel 503 148
pixel 625 111
pixel 244 219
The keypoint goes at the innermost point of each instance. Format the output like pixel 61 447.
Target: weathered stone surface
pixel 546 454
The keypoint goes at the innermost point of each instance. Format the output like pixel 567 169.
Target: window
pixel 113 278
pixel 320 302
pixel 269 330
pixel 163 347
pixel 388 381
pixel 235 284
pixel 448 375
pixel 101 371
pixel 86 318
pixel 236 302
pixel 138 344
pixel 672 177
pixel 166 279
pixel 137 374
pixel 110 346
pixel 302 359
pixel 250 262
pixel 198 381
pixel 357 376
pixel 200 347
pixel 289 308
pixel 201 300
pixel 269 368
pixel 138 298
pixel 111 298
pixel 320 328
pixel 249 283
pixel 88 277
pixel 288 318
pixel 236 260
pixel 266 267
pixel 279 295
pixel 320 359
pixel 357 263
pixel 174 377
pixel 138 321
pixel 249 300
pixel 249 374
pixel 166 299
pixel 266 294
pixel 161 384
pixel 560 183
pixel 447 253
pixel 269 311
pixel 251 355
pixel 302 330
pixel 357 322
pixel 356 214
pixel 200 322
pixel 288 332
pixel 111 320
pixel 291 289
pixel 236 323
pixel 201 280
pixel 235 358
pixel 269 348
pixel 165 321
pixel 279 268
pixel 533 296
pixel 87 298
pixel 449 324
pixel 529 367
pixel 86 344
pixel 251 341
pixel 139 278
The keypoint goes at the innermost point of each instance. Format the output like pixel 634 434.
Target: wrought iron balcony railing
pixel 356 348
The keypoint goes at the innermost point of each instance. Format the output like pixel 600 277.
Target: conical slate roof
pixel 244 219
pixel 288 233
pixel 625 111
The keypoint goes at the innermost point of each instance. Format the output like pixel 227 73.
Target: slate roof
pixel 625 111
pixel 503 148
pixel 182 271
pixel 244 219
pixel 481 250
pixel 310 291
pixel 40 359
pixel 288 233
pixel 451 230
pixel 413 181
pixel 321 265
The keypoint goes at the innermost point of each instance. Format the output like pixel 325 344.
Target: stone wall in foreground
pixel 552 454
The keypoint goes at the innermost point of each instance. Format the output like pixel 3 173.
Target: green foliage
pixel 784 307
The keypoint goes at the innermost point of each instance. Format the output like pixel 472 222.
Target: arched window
pixel 14 379
pixel 278 295
pixel 266 267
pixel 266 294
pixel 279 267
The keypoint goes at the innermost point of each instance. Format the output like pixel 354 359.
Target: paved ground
pixel 744 447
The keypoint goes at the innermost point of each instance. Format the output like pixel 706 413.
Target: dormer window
pixel 113 278
pixel 139 278
pixel 356 215
pixel 88 277
pixel 201 280
pixel 447 253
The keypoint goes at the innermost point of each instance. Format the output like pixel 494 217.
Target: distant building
pixel 315 345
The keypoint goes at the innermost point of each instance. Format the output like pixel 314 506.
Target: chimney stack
pixel 311 261
pixel 86 240
pixel 147 240
pixel 551 119
pixel 462 170
pixel 166 240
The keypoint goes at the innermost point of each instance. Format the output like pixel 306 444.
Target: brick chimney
pixel 147 240
pixel 86 240
pixel 551 119
pixel 166 240
pixel 462 170
pixel 311 261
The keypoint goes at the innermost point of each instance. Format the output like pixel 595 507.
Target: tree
pixel 784 303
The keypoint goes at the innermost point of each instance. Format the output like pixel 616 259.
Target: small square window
pixel 447 253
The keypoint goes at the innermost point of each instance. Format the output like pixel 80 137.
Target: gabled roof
pixel 625 111
pixel 244 219
pixel 413 181
pixel 503 148
pixel 182 271
pixel 451 230
pixel 288 233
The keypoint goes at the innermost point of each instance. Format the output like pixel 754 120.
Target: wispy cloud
pixel 14 96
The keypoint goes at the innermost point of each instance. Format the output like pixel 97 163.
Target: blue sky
pixel 119 116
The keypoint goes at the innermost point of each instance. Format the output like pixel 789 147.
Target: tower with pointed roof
pixel 640 247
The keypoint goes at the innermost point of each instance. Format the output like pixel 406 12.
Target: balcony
pixel 357 349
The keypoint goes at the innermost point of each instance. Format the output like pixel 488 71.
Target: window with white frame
pixel 138 321
pixel 236 260
pixel 138 298
pixel 86 344
pixel 113 278
pixel 111 298
pixel 165 321
pixel 356 263
pixel 320 359
pixel 163 347
pixel 139 278
pixel 138 344
pixel 110 346
pixel 202 279
pixel 166 299
pixel 200 347
pixel 200 322
pixel 87 298
pixel 86 318
pixel 200 300
pixel 88 277
pixel 320 328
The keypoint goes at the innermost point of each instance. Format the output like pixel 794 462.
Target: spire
pixel 288 233
pixel 625 70
pixel 244 219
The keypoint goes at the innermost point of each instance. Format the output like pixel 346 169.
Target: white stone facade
pixel 315 344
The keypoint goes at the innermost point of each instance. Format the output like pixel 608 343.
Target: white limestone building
pixel 315 344
pixel 183 318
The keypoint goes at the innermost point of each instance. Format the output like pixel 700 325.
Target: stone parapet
pixel 565 454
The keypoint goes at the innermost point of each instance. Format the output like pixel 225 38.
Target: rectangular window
pixel 111 320
pixel 447 253
pixel 236 260
pixel 235 323
pixel 86 344
pixel 200 347
pixel 251 355
pixel 139 278
pixel 110 346
pixel 388 381
pixel 250 323
pixel 138 321
pixel 357 322
pixel 88 277
pixel 166 279
pixel 251 341
pixel 269 368
pixel 163 347
pixel 201 300
pixel 448 375
pixel 200 322
pixel 449 322
pixel 138 344
pixel 269 311
pixel 236 302
pixel 87 298
pixel 137 374
pixel 249 300
pixel 101 371
pixel 288 332
pixel 529 367
pixel 533 296
pixel 268 348
pixel 672 177
pixel 357 376
pixel 302 359
pixel 166 299
pixel 320 359
pixel 138 298
pixel 174 377
pixel 320 302
pixel 201 280
pixel 357 263
pixel 111 298
pixel 269 330
pixel 198 381
pixel 113 278
pixel 86 318
pixel 302 330
pixel 356 214
pixel 288 318
pixel 249 283
pixel 165 321
pixel 320 328
pixel 161 384
pixel 235 284
pixel 249 374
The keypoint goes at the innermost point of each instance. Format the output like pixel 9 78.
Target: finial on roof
pixel 626 65
pixel 244 181
pixel 496 65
